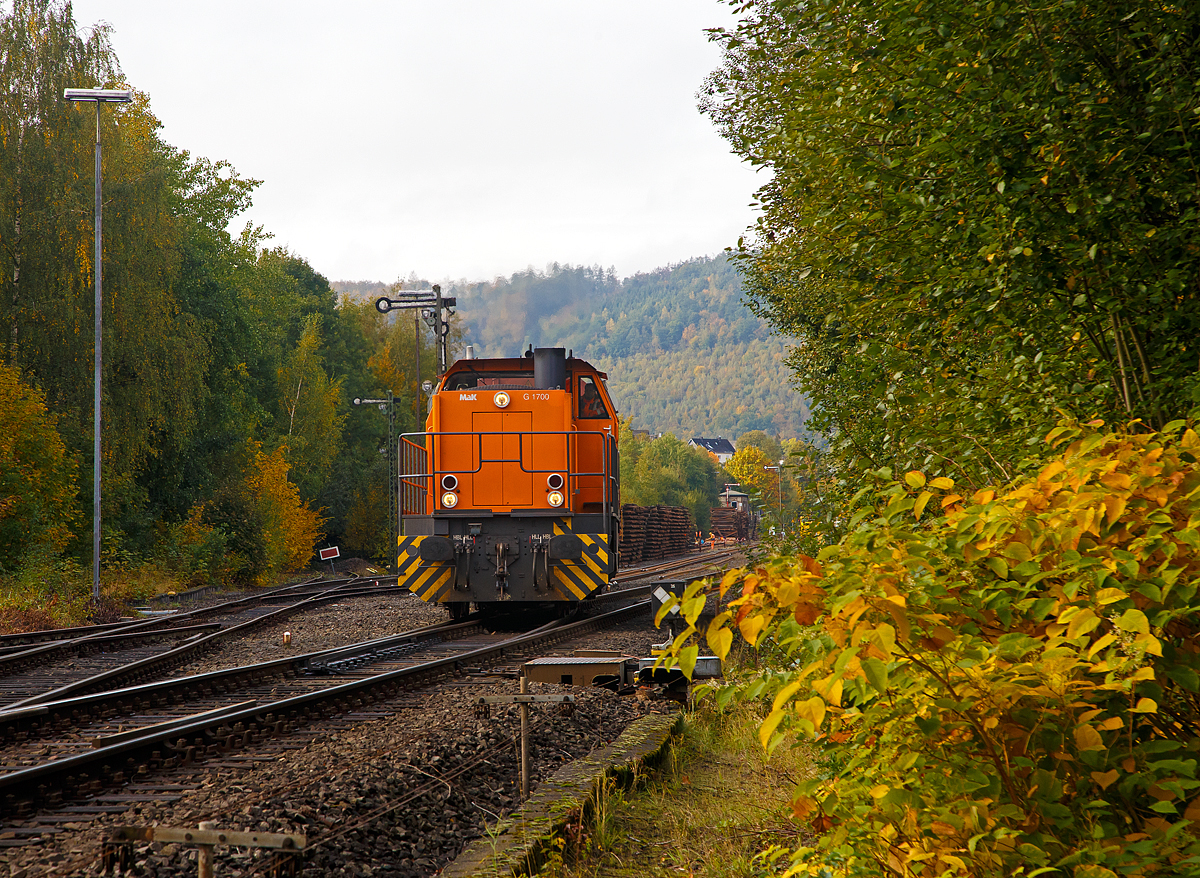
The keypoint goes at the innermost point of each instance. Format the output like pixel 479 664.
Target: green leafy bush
pixel 45 590
pixel 1007 687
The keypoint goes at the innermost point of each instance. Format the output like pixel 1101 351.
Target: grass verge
pixel 51 591
pixel 718 809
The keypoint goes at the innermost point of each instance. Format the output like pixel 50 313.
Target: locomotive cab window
pixel 590 403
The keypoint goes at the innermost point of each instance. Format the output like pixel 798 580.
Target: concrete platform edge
pixel 519 844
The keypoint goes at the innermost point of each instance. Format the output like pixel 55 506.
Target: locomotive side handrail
pixel 416 456
pixel 413 496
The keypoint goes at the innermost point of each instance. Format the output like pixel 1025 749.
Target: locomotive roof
pixel 515 364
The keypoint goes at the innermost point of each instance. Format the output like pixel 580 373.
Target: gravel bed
pixel 400 795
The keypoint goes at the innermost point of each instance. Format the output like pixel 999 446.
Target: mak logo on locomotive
pixel 467 396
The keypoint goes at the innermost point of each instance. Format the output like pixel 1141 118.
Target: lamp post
pixel 779 478
pixel 98 96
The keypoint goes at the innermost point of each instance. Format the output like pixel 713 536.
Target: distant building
pixel 722 448
pixel 735 499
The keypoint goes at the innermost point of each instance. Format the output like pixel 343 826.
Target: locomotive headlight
pixel 449 500
pixel 501 399
pixel 555 498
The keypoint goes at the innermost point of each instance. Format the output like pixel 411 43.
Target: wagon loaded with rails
pixel 512 492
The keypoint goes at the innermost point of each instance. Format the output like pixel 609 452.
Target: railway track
pixel 72 758
pixel 122 655
pixel 38 733
pixel 302 759
pixel 44 780
pixel 50 666
pixel 687 567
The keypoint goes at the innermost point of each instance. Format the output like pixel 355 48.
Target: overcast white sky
pixel 462 139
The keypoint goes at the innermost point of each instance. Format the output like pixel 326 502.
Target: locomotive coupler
pixel 502 570
pixel 540 544
pixel 464 546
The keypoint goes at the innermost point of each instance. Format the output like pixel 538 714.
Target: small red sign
pixel 330 553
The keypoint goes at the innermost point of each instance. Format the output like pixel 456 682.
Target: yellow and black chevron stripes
pixel 433 581
pixel 427 579
pixel 577 579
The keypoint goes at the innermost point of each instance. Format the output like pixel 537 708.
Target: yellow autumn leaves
pixel 1009 685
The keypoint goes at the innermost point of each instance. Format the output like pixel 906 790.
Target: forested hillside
pixel 229 444
pixel 683 354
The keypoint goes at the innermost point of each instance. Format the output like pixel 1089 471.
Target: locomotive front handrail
pixel 418 482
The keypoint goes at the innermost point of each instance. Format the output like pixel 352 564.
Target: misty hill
pixel 683 354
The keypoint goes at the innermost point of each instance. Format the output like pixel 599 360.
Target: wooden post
pixel 204 853
pixel 524 740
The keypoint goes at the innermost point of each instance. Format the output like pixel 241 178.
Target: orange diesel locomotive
pixel 511 493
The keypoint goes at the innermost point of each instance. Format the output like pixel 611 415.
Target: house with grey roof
pixel 721 447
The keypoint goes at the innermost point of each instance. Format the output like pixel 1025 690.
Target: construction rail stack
pixel 651 533
pixel 678 529
pixel 730 524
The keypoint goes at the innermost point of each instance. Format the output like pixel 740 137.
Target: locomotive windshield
pixel 590 403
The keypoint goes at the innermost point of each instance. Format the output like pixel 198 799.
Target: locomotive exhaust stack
pixel 549 369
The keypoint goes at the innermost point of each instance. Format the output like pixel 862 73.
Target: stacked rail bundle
pixel 656 537
pixel 633 534
pixel 679 529
pixel 651 533
pixel 731 524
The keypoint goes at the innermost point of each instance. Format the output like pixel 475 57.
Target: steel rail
pixel 24 639
pixel 26 722
pixel 12 643
pixel 675 563
pixel 147 668
pixel 49 783
pixel 46 652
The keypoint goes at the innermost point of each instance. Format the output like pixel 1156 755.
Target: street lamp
pixel 779 477
pixel 98 96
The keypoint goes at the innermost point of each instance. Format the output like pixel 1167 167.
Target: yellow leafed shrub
pixel 37 476
pixel 290 527
pixel 1001 684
